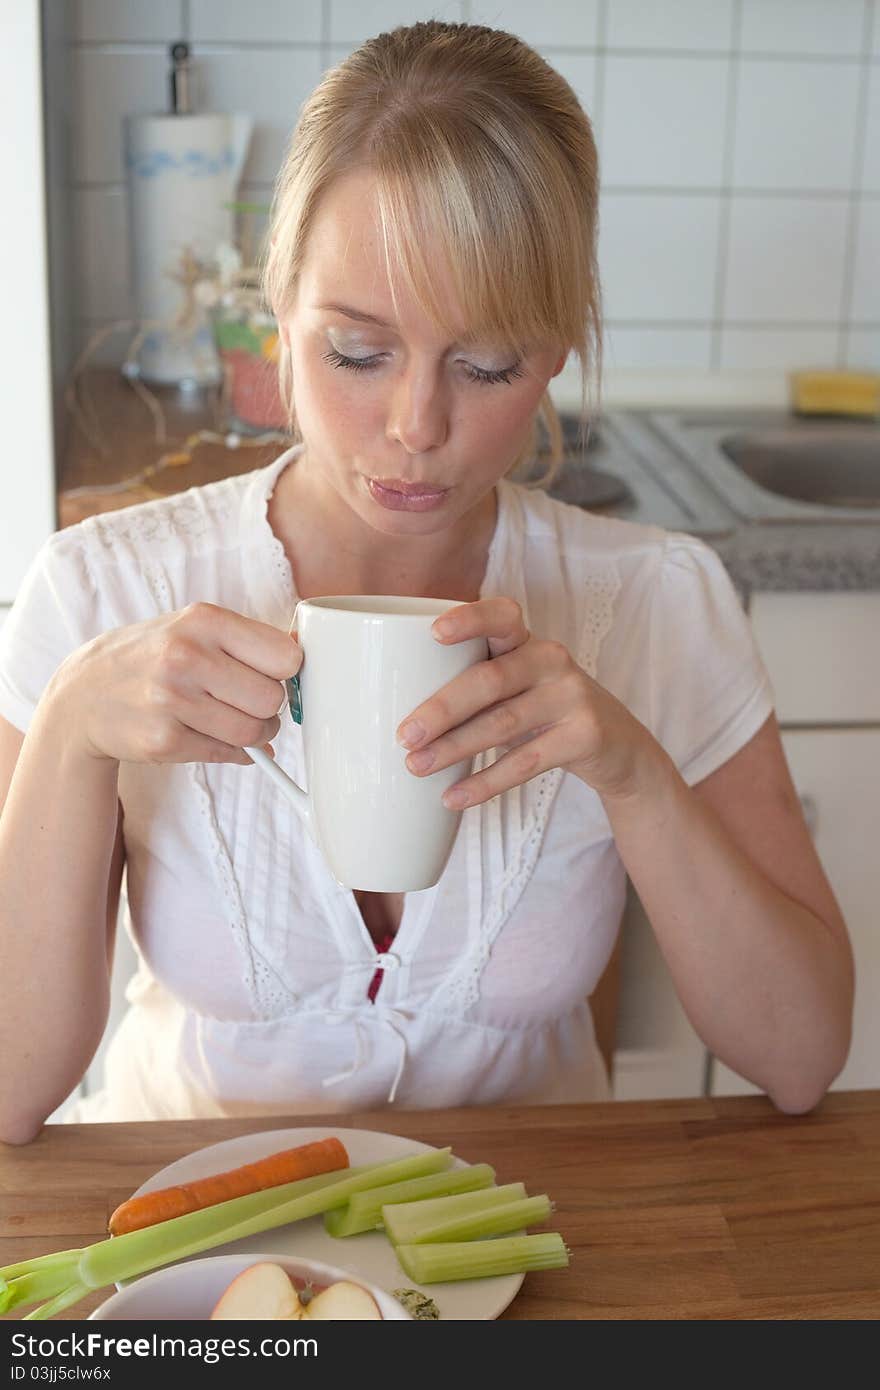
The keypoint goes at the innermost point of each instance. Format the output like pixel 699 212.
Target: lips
pixel 396 495
pixel 408 489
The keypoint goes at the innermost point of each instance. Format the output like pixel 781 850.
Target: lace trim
pixel 270 995
pixel 460 991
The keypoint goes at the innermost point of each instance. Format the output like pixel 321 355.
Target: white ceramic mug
pixel 368 662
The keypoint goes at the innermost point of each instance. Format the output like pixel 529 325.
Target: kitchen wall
pixel 739 144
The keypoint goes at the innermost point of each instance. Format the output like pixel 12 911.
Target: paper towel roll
pixel 181 170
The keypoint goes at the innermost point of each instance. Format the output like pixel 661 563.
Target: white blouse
pixel 253 963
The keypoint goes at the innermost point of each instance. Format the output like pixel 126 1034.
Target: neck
pixel 352 557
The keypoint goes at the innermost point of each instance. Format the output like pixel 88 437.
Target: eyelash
pixel 366 364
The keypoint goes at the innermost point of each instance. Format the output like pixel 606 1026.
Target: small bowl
pixel 190 1290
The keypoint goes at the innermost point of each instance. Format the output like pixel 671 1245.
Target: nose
pixel 418 415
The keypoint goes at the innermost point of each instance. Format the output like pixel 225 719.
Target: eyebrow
pixel 357 314
pixel 360 317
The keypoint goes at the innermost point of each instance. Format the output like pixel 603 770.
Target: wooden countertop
pixel 679 1209
pixel 111 436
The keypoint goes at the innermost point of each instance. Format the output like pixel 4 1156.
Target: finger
pixel 500 620
pixel 241 686
pixel 178 743
pixel 259 645
pixel 482 686
pixel 227 724
pixel 500 727
pixel 515 768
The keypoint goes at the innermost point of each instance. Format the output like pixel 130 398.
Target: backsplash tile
pixel 779 349
pixel 663 121
pixel 230 21
pixel 795 124
pixel 871 170
pixel 272 85
pixel 866 276
pixel 681 24
pixel 803 26
pixel 106 85
pixel 862 351
pixel 657 255
pixel 785 260
pixel 644 348
pixel 573 22
pixel 739 147
pixel 352 21
pixel 131 20
pixel 100 227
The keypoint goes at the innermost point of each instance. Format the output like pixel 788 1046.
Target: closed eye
pixel 366 364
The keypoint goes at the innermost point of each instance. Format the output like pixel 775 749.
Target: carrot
pixel 305 1161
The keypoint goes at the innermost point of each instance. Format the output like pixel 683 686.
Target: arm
pixel 726 872
pixel 745 917
pixel 61 860
pixel 198 685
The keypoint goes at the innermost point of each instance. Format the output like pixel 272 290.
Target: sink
pixel 775 467
pixel 832 465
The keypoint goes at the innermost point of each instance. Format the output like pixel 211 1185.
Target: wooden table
pixel 690 1209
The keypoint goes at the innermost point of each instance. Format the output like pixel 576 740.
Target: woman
pixel 432 265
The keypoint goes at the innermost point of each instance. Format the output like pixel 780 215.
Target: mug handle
pixel 294 793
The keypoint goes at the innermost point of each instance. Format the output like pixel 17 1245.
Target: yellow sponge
pixel 835 393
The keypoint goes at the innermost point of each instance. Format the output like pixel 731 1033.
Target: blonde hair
pixel 474 138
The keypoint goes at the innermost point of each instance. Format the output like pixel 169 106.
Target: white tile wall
pixel 863 349
pixel 108 20
pixel 272 84
pixel 572 22
pixel 785 260
pixel 658 255
pixel 871 171
pixel 663 121
pixel 866 281
pixel 352 21
pixel 269 21
pixel 682 24
pixel 780 349
pixel 795 125
pixel 739 144
pixel 825 27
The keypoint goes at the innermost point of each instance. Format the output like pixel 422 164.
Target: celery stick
pixel 471 1222
pixel 123 1257
pixel 480 1259
pixel 364 1211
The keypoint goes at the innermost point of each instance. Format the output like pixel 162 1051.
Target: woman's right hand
pixel 197 685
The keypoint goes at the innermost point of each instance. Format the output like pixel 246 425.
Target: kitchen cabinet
pixel 823 655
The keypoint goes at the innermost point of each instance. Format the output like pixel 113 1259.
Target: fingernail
pixel 443 627
pixel 420 762
pixel 456 798
pixel 410 734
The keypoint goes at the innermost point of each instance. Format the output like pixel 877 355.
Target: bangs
pixel 468 221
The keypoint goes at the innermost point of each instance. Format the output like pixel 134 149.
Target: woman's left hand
pixel 534 699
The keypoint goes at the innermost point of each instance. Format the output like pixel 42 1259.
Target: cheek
pixel 324 401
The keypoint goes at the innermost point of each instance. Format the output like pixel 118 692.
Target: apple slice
pixel 342 1300
pixel 262 1291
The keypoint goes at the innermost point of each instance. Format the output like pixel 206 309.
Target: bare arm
pixel 745 917
pixel 197 685
pixel 61 861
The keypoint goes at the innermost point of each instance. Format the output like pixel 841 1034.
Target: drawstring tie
pixel 393 1019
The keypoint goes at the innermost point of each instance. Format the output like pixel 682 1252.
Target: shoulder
pixel 638 551
pixel 183 524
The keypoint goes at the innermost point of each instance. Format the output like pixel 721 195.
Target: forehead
pixel 346 257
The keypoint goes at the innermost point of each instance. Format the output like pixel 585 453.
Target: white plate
pixel 188 1291
pixel 370 1255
